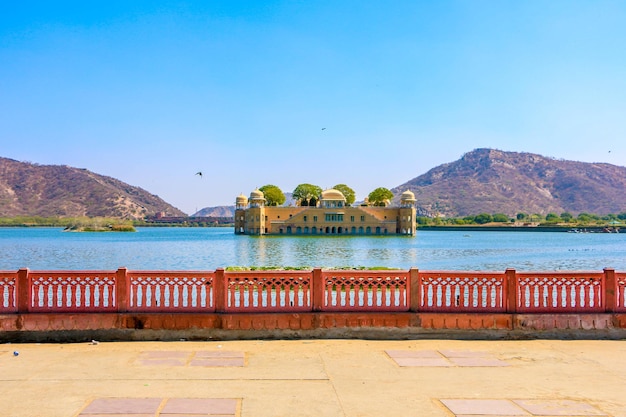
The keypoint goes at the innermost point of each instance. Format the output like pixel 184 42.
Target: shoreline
pixel 565 229
pixel 460 228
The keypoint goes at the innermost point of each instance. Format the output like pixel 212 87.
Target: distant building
pixel 163 218
pixel 331 216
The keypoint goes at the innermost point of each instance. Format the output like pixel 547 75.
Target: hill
pixel 229 211
pixel 28 189
pixel 218 211
pixel 494 181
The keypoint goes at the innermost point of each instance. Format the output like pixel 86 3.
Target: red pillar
pixel 511 290
pixel 610 290
pixel 22 291
pixel 219 290
pixel 317 288
pixel 122 287
pixel 415 290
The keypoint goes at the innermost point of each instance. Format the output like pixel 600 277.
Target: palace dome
pixel 257 195
pixel 332 194
pixel 241 199
pixel 407 196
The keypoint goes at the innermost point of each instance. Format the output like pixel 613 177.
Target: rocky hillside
pixel 493 181
pixel 53 190
pixel 229 211
pixel 218 211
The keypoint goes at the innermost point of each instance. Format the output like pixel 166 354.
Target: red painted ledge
pixel 43 322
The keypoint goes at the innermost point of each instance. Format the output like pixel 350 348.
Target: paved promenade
pixel 331 378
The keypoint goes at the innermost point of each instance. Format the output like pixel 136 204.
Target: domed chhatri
pixel 407 199
pixel 331 216
pixel 332 194
pixel 407 196
pixel 241 201
pixel 257 198
pixel 257 195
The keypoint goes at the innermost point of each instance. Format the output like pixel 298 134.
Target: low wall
pixel 173 305
pixel 388 326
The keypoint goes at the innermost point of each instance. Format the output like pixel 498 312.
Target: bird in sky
pixel 323 128
pixel 199 173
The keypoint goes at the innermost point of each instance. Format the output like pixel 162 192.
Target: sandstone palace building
pixel 331 216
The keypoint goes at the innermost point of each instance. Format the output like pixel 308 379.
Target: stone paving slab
pixel 158 407
pixel 422 362
pixel 302 378
pixel 444 358
pixel 504 407
pixel 184 358
pixel 200 406
pixel 558 408
pixel 145 406
pixel 478 361
pixel 464 407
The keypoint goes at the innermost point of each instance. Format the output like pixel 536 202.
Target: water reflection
pixel 210 248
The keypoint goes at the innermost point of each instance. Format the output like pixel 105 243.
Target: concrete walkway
pixel 439 378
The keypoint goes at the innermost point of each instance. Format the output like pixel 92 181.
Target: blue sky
pixel 366 93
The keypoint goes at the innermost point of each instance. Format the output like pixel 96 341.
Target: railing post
pixel 610 290
pixel 415 290
pixel 122 290
pixel 219 290
pixel 511 290
pixel 317 288
pixel 22 291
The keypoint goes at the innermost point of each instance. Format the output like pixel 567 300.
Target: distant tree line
pixel 550 219
pixel 71 223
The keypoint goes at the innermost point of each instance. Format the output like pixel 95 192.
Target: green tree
pixel 521 216
pixel 307 194
pixel 483 218
pixel 347 192
pixel 552 218
pixel 421 220
pixel 379 196
pixel 566 217
pixel 500 218
pixel 274 196
pixel 587 217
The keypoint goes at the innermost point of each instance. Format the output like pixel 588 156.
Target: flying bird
pixel 199 173
pixel 323 128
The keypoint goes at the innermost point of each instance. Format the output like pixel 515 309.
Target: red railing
pixel 8 281
pixel 573 292
pixel 65 291
pixel 620 291
pixel 452 291
pixel 314 290
pixel 365 290
pixel 268 291
pixel 159 291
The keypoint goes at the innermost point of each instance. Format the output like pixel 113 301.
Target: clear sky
pixel 366 93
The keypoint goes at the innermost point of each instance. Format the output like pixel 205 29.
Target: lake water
pixel 155 248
